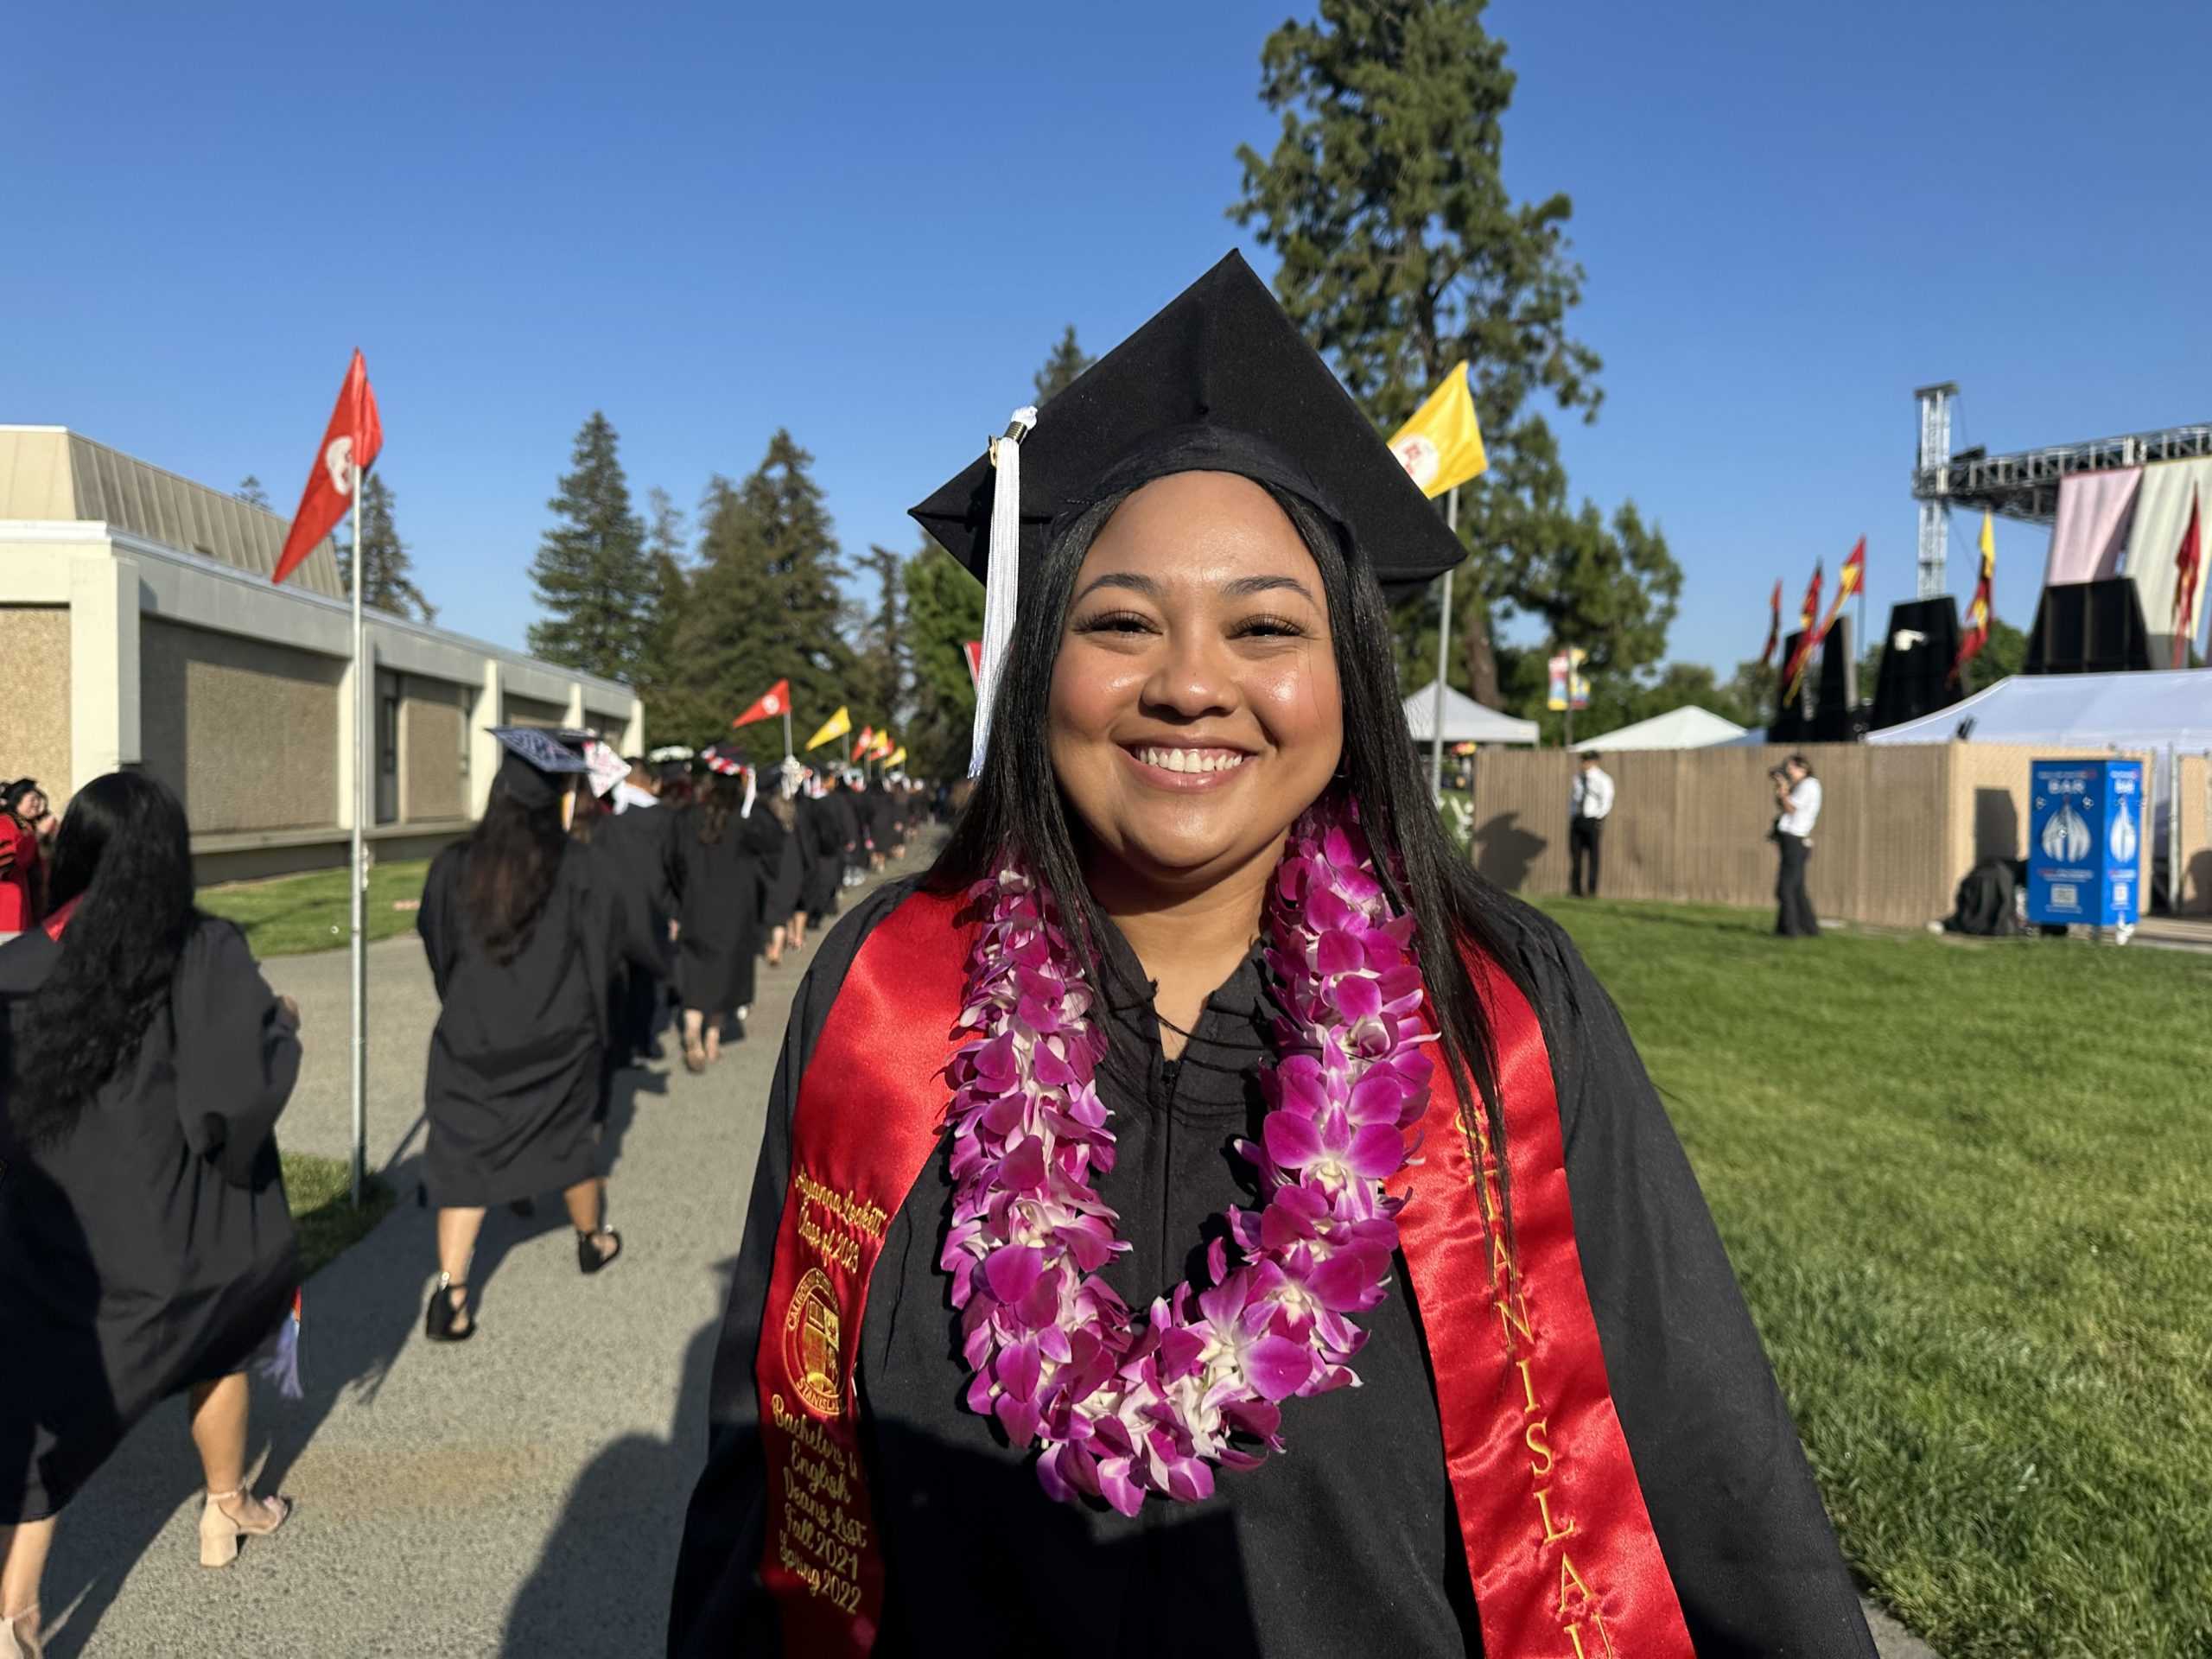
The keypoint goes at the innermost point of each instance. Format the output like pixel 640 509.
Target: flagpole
pixel 363 672
pixel 1443 658
pixel 787 728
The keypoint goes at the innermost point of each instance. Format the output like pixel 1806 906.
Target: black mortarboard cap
pixel 533 760
pixel 1220 380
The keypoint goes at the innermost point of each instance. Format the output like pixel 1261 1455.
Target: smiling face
pixel 1195 710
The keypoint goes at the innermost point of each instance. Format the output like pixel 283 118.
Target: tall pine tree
pixel 880 688
pixel 387 578
pixel 764 602
pixel 591 570
pixel 944 609
pixel 1067 361
pixel 670 589
pixel 1402 253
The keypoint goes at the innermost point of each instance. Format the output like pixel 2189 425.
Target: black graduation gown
pixel 725 891
pixel 1347 1543
pixel 848 807
pixel 152 1249
pixel 779 871
pixel 823 838
pixel 513 1085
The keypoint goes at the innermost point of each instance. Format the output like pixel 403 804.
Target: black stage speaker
pixel 1836 713
pixel 1791 724
pixel 2088 628
pixel 1915 674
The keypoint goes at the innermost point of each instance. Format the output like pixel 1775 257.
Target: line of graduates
pixel 591 903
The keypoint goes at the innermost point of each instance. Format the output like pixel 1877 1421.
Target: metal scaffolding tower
pixel 2023 484
pixel 1930 481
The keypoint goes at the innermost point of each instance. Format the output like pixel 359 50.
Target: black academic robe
pixel 513 1085
pixel 847 806
pixel 772 845
pixel 824 837
pixel 1347 1543
pixel 150 1248
pixel 725 892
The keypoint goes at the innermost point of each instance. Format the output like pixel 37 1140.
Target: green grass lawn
pixel 287 915
pixel 322 1206
pixel 1968 1188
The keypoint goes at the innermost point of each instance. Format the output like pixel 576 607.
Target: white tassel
pixel 1002 581
pixel 752 785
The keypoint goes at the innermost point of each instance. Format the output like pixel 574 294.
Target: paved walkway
pixel 520 1495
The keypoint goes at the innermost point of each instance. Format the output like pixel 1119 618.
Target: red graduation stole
pixel 1558 1546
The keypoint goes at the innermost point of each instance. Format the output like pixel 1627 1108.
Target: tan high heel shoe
pixel 19 1636
pixel 220 1530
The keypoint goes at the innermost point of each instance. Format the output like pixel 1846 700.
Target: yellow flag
pixel 1442 447
pixel 898 757
pixel 836 726
pixel 1988 547
pixel 882 746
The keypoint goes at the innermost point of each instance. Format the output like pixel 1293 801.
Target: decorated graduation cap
pixel 535 761
pixel 726 761
pixel 1220 380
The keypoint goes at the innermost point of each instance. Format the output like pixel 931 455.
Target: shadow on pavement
pixel 603 1582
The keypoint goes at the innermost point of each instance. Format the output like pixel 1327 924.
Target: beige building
pixel 138 627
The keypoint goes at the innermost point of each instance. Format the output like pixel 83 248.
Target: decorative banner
pixel 1569 688
pixel 1442 447
pixel 352 438
pixel 836 726
pixel 897 757
pixel 973 650
pixel 1977 634
pixel 777 700
pixel 865 743
pixel 1774 626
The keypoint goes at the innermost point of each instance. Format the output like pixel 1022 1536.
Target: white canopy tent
pixel 2164 713
pixel 1687 728
pixel 1466 720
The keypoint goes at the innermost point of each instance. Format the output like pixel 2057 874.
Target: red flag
pixel 352 440
pixel 865 741
pixel 2188 563
pixel 1846 584
pixel 1806 637
pixel 1774 626
pixel 1977 634
pixel 776 700
pixel 973 650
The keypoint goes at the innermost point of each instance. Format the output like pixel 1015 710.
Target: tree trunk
pixel 1476 653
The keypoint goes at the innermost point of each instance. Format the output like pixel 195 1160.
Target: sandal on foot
pixel 589 1257
pixel 447 1319
pixel 220 1530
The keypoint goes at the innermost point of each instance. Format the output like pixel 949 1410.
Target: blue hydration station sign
pixel 2085 840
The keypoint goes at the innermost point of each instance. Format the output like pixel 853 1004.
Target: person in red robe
pixel 23 884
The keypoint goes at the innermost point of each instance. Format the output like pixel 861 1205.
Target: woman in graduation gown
pixel 1198 1081
pixel 725 891
pixel 521 924
pixel 145 1246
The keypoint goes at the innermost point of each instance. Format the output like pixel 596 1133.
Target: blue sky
pixel 868 223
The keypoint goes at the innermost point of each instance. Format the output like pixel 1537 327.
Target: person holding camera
pixel 1797 800
pixel 1588 800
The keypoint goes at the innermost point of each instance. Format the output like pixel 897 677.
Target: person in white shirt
pixel 1797 797
pixel 1588 802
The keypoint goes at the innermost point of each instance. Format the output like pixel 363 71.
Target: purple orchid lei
pixel 1122 1406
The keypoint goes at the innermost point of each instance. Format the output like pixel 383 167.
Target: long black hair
pixel 514 856
pixel 123 855
pixel 720 795
pixel 1018 803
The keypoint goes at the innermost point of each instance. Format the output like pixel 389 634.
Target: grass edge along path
pixel 291 915
pixel 320 1191
pixel 1963 1186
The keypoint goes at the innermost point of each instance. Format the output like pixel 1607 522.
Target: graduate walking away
pixel 725 892
pixel 146 1249
pixel 1185 1080
pixel 521 924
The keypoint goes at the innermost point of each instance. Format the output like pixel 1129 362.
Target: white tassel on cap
pixel 1002 580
